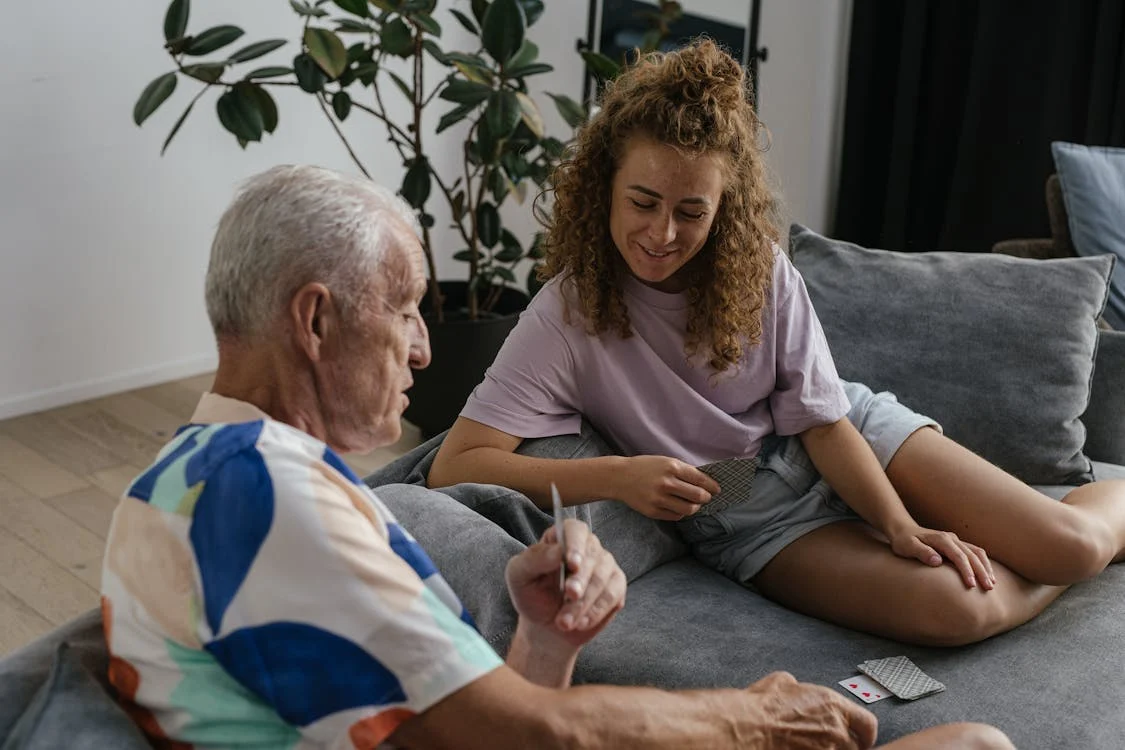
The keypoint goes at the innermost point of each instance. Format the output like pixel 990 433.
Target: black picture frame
pixel 617 31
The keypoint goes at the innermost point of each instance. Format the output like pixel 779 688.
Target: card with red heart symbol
pixel 865 688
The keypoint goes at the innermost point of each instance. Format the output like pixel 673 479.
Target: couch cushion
pixel 1105 416
pixel 1093 187
pixel 687 627
pixel 999 350
pixel 72 709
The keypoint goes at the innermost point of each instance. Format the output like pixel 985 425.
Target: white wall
pixel 801 91
pixel 103 243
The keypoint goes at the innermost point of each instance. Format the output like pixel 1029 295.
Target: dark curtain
pixel 951 108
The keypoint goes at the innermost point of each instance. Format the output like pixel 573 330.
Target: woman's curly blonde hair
pixel 697 99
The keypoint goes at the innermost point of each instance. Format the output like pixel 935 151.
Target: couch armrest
pixel 1105 415
pixel 1037 249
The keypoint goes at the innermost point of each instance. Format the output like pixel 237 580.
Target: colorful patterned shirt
pixel 258 595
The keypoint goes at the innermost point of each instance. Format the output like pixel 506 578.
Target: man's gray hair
pixel 290 226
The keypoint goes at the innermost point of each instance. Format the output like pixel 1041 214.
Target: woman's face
pixel 662 207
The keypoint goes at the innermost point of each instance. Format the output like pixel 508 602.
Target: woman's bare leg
pixel 946 486
pixel 845 574
pixel 962 736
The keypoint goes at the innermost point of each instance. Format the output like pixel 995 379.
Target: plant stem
pixel 437 304
pixel 324 108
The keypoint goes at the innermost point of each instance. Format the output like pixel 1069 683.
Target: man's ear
pixel 312 312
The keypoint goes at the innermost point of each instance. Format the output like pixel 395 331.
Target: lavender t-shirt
pixel 644 395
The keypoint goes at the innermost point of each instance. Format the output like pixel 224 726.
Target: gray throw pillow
pixel 1093 188
pixel 999 350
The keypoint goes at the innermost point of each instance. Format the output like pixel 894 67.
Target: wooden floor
pixel 61 472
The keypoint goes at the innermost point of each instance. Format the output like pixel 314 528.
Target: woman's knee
pixel 956 616
pixel 1080 547
pixel 972 736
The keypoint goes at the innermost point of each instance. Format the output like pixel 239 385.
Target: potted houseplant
pixel 351 58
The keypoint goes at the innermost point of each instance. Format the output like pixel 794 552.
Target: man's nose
pixel 420 349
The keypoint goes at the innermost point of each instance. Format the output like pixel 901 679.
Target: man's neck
pixel 263 376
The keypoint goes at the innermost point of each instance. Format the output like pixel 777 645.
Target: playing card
pixel 736 478
pixel 560 533
pixel 864 688
pixel 902 677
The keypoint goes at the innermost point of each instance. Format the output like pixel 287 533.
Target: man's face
pixel 385 341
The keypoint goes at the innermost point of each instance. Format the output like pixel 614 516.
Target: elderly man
pixel 257 594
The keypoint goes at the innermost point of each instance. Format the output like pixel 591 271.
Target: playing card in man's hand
pixel 736 478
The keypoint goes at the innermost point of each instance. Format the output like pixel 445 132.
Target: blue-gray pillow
pixel 999 350
pixel 1093 188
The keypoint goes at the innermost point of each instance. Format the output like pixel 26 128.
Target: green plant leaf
pixel 206 72
pixel 175 20
pixel 488 224
pixel 572 112
pixel 328 51
pixel 454 116
pixel 341 104
pixel 600 65
pixel 238 112
pixel 256 50
pixel 212 39
pixel 266 105
pixel 505 273
pixel 465 21
pixel 465 92
pixel 475 60
pixel 503 29
pixel 153 96
pixel 532 10
pixel 427 23
pixel 531 115
pixel 352 26
pixel 553 147
pixel 366 72
pixel 387 6
pixel 488 146
pixel 524 71
pixel 304 9
pixel 480 7
pixel 273 71
pixel 503 113
pixel 416 184
pixel 525 55
pixel 474 74
pixel 508 255
pixel 176 128
pixel 397 39
pixel 356 7
pixel 435 51
pixel 536 250
pixel 497 184
pixel 402 85
pixel 309 75
pixel 458 206
pixel 463 255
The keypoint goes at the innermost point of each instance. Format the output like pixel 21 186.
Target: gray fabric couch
pixel 1057 682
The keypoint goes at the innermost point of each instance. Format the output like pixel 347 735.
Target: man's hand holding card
pixel 592 588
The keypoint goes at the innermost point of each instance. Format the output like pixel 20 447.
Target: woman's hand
pixel 593 594
pixel 930 546
pixel 663 488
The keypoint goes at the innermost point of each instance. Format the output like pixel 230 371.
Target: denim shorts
pixel 788 498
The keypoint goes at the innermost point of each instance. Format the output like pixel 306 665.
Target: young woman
pixel 675 324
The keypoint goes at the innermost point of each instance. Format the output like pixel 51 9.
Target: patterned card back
pixel 736 478
pixel 902 677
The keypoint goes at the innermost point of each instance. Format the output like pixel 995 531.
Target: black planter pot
pixel 462 350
